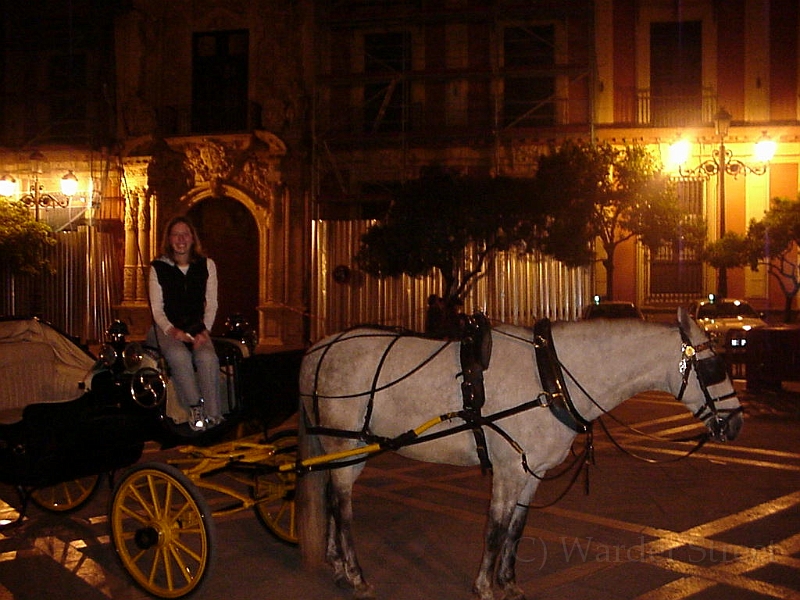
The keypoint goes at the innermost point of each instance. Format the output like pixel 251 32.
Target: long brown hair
pixel 166 247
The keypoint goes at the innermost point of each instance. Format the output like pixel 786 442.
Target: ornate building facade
pixel 209 97
pixel 269 120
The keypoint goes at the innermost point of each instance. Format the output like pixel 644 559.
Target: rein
pixel 709 371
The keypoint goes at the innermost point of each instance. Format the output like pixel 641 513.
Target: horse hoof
pixel 514 594
pixel 342 583
pixel 364 592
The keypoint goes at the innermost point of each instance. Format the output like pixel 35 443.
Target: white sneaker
pixel 197 417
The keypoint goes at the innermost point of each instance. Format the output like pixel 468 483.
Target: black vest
pixel 184 295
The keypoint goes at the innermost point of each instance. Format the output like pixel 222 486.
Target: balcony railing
pixel 641 107
pixel 182 120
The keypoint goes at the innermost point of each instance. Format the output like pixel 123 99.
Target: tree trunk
pixel 787 308
pixel 608 263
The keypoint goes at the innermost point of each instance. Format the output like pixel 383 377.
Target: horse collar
pixel 552 379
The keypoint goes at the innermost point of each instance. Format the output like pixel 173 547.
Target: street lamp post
pixel 722 123
pixel 37 198
pixel 723 163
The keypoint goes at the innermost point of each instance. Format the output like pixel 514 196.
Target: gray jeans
pixel 194 371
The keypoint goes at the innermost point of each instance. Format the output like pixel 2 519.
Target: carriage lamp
pixel 132 356
pixel 722 163
pixel 107 356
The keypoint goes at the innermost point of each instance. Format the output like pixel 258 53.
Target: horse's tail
pixel 311 501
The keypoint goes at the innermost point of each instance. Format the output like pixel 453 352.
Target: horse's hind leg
pixel 341 549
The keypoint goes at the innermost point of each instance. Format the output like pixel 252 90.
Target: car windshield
pixel 727 310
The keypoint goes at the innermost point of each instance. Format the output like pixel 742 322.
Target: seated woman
pixel 183 300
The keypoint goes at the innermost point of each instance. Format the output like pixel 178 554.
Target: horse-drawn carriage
pixel 359 391
pixel 68 418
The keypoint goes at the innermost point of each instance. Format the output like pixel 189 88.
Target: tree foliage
pixel 22 239
pixel 613 195
pixel 728 252
pixel 774 242
pixel 434 219
pixel 579 193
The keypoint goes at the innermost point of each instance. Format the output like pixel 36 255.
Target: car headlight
pixel 132 356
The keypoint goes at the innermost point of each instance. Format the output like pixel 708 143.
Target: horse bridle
pixel 710 371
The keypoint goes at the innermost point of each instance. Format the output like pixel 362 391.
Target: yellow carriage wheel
pixel 275 492
pixel 66 496
pixel 162 530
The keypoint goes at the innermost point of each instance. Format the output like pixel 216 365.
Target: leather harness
pixel 552 378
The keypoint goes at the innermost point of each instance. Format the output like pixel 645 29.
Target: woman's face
pixel 181 240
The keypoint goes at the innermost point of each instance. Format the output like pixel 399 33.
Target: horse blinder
pixel 710 371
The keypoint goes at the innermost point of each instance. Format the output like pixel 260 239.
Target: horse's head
pixel 705 386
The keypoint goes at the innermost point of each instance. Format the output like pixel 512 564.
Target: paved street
pixel 723 523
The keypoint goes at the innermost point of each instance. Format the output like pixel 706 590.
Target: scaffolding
pixel 480 87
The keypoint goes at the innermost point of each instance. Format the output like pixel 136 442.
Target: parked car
pixel 612 310
pixel 726 321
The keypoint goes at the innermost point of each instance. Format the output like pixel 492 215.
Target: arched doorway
pixel 229 235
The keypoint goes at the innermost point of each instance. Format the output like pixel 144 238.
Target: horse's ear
pixel 685 320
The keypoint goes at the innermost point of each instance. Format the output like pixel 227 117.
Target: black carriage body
pixel 97 424
pixel 57 442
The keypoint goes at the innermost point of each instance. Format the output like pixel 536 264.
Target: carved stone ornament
pixel 210 160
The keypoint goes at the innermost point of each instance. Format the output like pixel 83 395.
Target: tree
pixel 611 194
pixel 728 252
pixel 774 242
pixel 22 239
pixel 434 220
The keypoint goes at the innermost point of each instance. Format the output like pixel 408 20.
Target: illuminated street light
pixel 36 196
pixel 723 163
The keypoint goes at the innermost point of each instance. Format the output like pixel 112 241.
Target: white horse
pixel 371 386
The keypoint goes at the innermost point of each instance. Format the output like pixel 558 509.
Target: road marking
pixel 709 562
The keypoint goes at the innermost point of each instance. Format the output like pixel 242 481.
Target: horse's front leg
pixel 506 570
pixel 341 548
pixel 506 489
pixel 495 535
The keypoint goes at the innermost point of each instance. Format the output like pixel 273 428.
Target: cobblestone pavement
pixel 721 523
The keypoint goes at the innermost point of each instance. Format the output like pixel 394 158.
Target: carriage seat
pixel 28 376
pixel 37 365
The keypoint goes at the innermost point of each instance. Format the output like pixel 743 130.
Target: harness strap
pixel 474 353
pixel 410 438
pixel 373 389
pixel 552 378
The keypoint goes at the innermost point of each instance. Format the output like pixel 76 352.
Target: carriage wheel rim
pixel 275 492
pixel 160 531
pixel 66 496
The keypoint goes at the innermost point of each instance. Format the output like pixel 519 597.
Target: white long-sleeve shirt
pixel 157 297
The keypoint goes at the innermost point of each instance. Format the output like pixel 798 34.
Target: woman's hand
pixel 181 335
pixel 202 338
